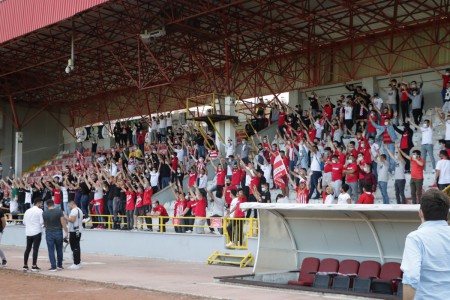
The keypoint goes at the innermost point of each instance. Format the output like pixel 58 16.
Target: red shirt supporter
pixel 162 210
pixel 130 200
pixel 200 165
pixel 350 151
pixel 56 196
pixel 286 162
pixel 238 213
pixel 141 138
pixel 273 156
pixel 302 195
pixel 312 134
pixel 361 174
pixel 370 127
pixel 386 137
pixel 281 118
pixel 200 207
pixel 416 170
pixel 192 179
pixel 148 196
pixel 404 141
pixel 336 172
pixel 328 165
pixel 365 150
pixel 174 163
pixel 213 154
pixel 228 198
pixel 366 198
pixel 385 116
pixel 404 95
pixel 139 202
pixel 236 177
pixel 254 182
pixel 179 208
pixel 329 111
pixel 221 174
pixel 352 177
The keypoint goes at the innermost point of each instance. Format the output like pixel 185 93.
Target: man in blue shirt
pixel 426 258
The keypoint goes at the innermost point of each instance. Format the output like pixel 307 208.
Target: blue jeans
pixel 97 212
pixel 201 151
pixel 165 182
pixel 383 188
pixel 66 208
pixel 391 161
pixel 78 198
pixel 84 205
pixel 314 183
pixel 428 149
pixel 54 240
pixel 162 131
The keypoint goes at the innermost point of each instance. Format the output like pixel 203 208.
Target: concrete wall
pixel 170 246
pixel 42 137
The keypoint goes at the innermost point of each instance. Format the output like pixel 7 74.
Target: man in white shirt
pixel 378 101
pixel 33 222
pixel 229 148
pixel 153 130
pixel 426 263
pixel 443 170
pixel 427 141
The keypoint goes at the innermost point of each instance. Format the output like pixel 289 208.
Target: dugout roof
pixel 240 47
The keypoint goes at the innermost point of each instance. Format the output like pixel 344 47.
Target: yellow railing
pixel 241 228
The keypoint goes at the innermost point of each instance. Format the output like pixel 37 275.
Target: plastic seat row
pixel 350 275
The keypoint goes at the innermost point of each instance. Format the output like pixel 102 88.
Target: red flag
pixel 79 157
pixel 279 170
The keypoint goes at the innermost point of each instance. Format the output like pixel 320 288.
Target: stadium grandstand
pixel 167 116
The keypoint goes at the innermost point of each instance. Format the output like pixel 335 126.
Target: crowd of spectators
pixel 340 151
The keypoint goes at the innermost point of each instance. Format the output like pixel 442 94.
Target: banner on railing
pixel 279 171
pixel 216 222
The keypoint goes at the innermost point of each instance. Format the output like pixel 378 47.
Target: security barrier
pixel 236 230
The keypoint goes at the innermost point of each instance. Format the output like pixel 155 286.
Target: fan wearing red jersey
pixel 180 206
pixel 302 189
pixel 199 208
pixel 161 212
pixel 367 196
pixel 221 174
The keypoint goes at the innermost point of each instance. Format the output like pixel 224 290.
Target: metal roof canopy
pixel 288 233
pixel 242 47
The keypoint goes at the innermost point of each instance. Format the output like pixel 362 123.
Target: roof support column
pixel 18 153
pixel 16 122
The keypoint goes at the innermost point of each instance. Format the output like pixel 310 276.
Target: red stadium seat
pixel 305 277
pixel 344 279
pixel 368 270
pixel 328 266
pixel 389 278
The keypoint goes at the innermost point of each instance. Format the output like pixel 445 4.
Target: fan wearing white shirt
pixel 443 170
pixel 344 197
pixel 427 141
pixel 33 222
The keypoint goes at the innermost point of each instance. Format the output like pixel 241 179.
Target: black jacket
pixel 410 132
